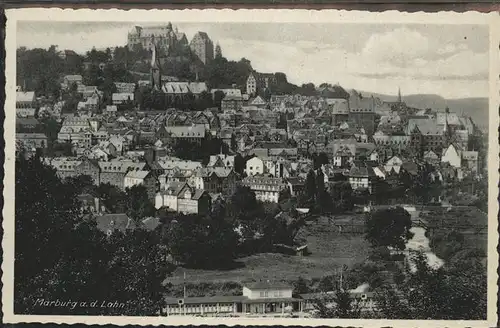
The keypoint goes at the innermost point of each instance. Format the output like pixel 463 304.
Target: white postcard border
pixel 245 15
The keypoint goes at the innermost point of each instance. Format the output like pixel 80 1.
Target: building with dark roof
pixel 361 177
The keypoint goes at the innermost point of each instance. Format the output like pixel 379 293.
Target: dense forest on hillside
pixel 41 70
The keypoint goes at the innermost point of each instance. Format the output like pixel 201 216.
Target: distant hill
pixel 477 108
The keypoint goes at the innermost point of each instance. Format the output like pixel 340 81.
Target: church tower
pixel 155 66
pixel 399 96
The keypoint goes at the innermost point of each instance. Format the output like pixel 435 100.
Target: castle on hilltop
pixel 168 39
pixel 164 36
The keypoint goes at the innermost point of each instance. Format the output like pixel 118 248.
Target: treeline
pixel 58 250
pixel 41 70
pixel 237 227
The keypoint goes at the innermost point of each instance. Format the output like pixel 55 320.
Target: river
pixel 421 242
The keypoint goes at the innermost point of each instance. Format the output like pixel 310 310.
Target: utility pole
pixel 341 273
pixel 184 295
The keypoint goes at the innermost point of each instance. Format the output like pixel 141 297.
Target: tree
pixel 202 242
pixel 323 200
pixel 218 51
pixel 218 96
pixel 284 195
pixel 300 286
pixel 39 70
pixel 46 212
pixel 338 305
pixel 438 294
pixel 319 160
pixel 243 205
pixel 239 164
pixel 342 196
pixel 311 186
pixel 58 250
pixel 203 101
pixel 136 271
pixel 389 227
pixel 307 89
pixel 139 206
pixel 83 184
pixel 113 199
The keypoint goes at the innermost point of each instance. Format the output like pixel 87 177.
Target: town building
pixel 214 180
pixel 262 298
pixel 231 103
pixel 361 177
pixel 221 160
pixel 470 161
pixel 32 141
pixel 182 198
pixel 76 130
pixel 122 98
pixel 195 133
pixel 28 125
pixel 202 47
pixel 257 82
pixel 232 92
pixel 254 166
pixel 25 104
pixel 266 188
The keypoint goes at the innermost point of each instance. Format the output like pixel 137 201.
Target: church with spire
pixel 156 83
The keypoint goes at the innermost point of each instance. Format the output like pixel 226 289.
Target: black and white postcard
pixel 284 167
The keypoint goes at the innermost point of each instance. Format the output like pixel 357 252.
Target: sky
pixel 447 60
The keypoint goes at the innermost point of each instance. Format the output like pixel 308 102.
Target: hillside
pixel 477 108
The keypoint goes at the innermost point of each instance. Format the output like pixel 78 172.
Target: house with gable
pixel 452 155
pixel 394 163
pixel 221 160
pixel 257 102
pixel 431 157
pixel 182 198
pixel 361 177
pixel 343 157
pixel 254 166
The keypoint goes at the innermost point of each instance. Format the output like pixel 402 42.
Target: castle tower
pixel 155 66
